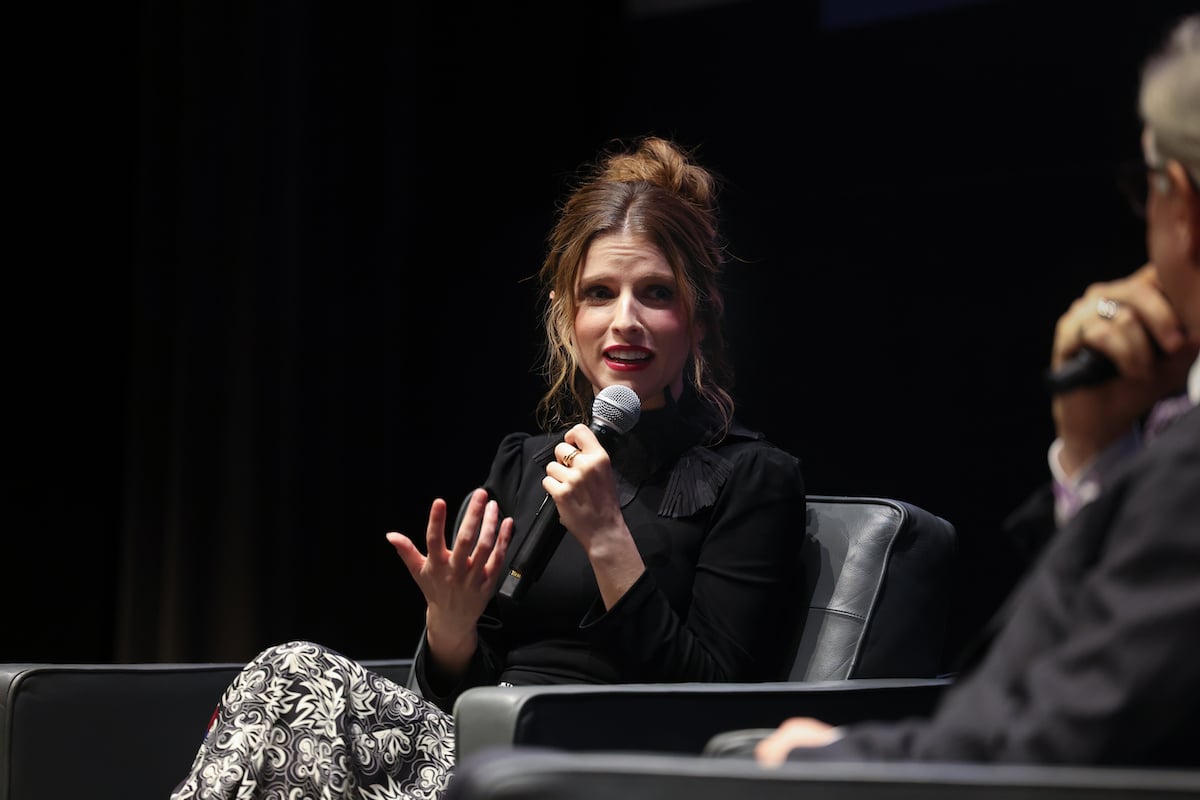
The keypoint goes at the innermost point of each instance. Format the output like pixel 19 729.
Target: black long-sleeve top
pixel 719 529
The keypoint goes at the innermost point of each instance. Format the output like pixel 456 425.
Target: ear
pixel 1187 217
pixel 551 295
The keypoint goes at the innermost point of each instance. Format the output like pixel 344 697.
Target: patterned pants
pixel 301 722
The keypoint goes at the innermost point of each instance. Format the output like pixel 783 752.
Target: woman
pixel 682 562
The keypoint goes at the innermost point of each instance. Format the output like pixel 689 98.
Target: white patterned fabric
pixel 302 722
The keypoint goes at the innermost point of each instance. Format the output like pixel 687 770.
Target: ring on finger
pixel 569 457
pixel 1107 309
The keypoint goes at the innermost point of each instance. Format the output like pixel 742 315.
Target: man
pixel 1095 660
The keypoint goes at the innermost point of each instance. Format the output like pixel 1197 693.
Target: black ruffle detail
pixel 695 482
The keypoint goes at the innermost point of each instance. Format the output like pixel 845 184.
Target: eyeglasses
pixel 1133 179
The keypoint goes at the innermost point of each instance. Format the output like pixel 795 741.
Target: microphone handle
pixel 539 544
pixel 1087 367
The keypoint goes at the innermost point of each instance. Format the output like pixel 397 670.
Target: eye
pixel 595 294
pixel 660 293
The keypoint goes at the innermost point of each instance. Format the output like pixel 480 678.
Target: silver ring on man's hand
pixel 1107 309
pixel 569 457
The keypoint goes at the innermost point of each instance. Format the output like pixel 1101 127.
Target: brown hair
pixel 652 189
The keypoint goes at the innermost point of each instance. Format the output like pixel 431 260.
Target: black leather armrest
pixel 120 731
pixel 543 775
pixel 676 718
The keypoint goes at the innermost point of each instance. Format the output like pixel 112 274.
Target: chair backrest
pixel 880 573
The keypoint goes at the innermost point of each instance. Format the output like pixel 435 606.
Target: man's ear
pixel 1188 219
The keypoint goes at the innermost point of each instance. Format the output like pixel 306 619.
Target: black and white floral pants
pixel 302 722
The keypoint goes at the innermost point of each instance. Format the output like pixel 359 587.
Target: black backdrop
pixel 269 297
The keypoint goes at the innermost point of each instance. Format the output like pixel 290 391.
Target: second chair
pixel 879 573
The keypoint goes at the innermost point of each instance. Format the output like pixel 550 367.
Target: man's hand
pixel 795 732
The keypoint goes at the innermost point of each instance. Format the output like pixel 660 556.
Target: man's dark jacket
pixel 1097 660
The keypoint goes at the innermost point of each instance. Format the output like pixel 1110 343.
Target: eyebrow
pixel 608 273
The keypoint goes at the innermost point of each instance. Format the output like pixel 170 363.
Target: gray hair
pixel 1169 100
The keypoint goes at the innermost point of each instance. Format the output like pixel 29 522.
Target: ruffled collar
pixel 670 439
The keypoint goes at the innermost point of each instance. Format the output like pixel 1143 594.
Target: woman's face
pixel 630 324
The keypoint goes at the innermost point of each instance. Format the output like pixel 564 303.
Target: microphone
pixel 1087 367
pixel 615 411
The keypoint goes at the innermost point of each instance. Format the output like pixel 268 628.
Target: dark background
pixel 268 285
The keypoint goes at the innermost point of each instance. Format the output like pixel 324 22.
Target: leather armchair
pixel 554 775
pixel 878 576
pixel 110 731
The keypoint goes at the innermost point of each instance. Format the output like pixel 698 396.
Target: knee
pixel 294 654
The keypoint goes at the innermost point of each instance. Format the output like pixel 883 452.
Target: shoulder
pixel 760 469
pixel 1145 509
pixel 521 450
pixel 1181 441
pixel 749 449
pixel 511 445
pixel 515 467
pixel 1173 457
pixel 529 444
pixel 743 464
pixel 1170 464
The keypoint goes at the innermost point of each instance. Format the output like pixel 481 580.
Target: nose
pixel 627 314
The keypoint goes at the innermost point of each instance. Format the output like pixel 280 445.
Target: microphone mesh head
pixel 618 407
